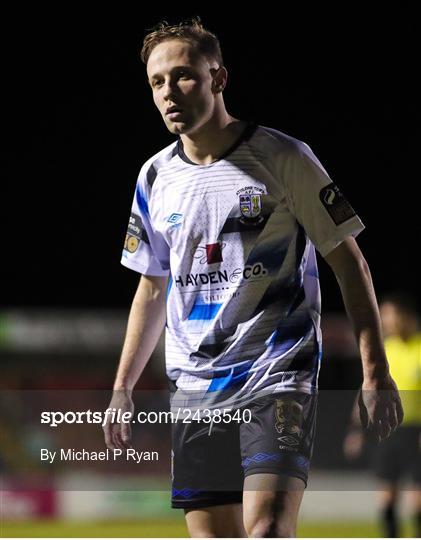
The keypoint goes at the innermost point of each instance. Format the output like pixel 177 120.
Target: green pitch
pixel 169 528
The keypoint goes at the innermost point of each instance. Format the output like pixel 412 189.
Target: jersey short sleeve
pixel 316 202
pixel 145 250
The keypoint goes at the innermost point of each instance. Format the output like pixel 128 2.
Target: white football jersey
pixel 237 238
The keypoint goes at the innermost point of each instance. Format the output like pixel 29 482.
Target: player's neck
pixel 213 140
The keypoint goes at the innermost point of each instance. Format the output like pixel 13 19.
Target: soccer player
pixel 400 454
pixel 224 226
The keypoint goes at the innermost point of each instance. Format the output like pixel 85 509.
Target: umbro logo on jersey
pixel 175 218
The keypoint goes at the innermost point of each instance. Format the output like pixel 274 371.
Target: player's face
pixel 182 84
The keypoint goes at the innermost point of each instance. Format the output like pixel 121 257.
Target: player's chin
pixel 177 128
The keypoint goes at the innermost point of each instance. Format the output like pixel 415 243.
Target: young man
pixel 232 212
pixel 400 454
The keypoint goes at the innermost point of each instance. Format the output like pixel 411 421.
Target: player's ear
pixel 220 76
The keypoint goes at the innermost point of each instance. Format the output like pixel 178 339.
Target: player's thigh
pixel 271 503
pixel 223 521
pixel 206 468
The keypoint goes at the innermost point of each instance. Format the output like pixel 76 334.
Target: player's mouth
pixel 173 112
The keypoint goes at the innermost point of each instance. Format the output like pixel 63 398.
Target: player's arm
pixel 145 324
pixel 380 406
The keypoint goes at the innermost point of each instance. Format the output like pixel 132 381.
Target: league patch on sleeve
pixel 335 203
pixel 134 233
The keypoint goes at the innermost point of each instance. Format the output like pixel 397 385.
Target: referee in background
pixel 399 456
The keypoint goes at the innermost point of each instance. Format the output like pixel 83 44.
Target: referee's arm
pixel 380 406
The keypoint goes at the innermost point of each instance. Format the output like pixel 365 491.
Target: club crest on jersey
pixel 250 208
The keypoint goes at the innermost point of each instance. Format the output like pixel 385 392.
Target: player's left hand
pixel 380 406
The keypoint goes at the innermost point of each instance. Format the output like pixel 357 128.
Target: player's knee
pixel 261 528
pixel 269 527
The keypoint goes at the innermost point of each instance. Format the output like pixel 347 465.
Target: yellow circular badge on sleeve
pixel 132 243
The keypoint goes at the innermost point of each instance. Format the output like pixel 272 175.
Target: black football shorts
pixel 272 434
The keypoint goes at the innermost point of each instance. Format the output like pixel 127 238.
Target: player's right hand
pixel 118 434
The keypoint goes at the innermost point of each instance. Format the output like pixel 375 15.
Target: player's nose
pixel 170 90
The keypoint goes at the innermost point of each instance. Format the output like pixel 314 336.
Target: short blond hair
pixel 192 30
